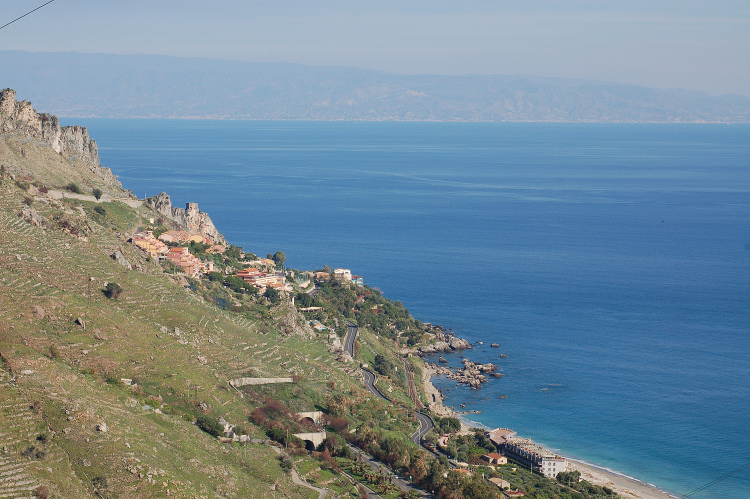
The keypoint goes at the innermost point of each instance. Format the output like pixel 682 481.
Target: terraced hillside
pixel 70 426
pixel 136 393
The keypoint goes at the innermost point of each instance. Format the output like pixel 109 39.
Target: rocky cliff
pixel 190 218
pixel 73 142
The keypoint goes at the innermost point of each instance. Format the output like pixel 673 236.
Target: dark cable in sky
pixel 714 482
pixel 16 19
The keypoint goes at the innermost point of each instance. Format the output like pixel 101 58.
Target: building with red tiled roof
pixel 181 257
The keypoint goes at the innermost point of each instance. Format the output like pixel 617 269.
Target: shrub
pixel 100 483
pixel 41 492
pixel 100 210
pixel 54 352
pixel 73 187
pixel 286 462
pixel 28 201
pixel 210 425
pixel 97 193
pixel 33 452
pixel 112 290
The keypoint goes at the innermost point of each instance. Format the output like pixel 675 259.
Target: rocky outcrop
pixel 444 343
pixel 120 258
pixel 190 218
pixel 472 374
pixel 30 215
pixel 73 142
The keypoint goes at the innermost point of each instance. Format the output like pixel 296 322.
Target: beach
pixel 626 487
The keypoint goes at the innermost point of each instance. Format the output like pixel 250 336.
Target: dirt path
pixel 322 493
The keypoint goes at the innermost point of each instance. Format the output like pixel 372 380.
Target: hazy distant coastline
pixel 72 84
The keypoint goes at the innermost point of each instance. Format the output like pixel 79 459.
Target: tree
pixel 97 193
pixel 272 294
pixel 279 258
pixel 210 425
pixel 233 252
pixel 112 290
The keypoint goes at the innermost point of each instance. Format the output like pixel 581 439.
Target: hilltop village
pixel 143 355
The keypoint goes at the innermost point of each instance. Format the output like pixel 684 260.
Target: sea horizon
pixel 611 262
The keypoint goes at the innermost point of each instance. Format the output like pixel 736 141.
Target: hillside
pixel 150 86
pixel 122 377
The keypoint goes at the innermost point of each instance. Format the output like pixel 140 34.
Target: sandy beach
pixel 626 487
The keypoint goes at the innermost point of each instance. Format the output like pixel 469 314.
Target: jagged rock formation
pixel 190 218
pixel 73 142
pixel 472 374
pixel 444 343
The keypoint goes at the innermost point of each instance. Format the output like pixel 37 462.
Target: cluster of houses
pixel 180 256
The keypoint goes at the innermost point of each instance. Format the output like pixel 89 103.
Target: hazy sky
pixel 693 44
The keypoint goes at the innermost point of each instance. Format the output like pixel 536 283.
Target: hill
pixel 122 377
pixel 150 86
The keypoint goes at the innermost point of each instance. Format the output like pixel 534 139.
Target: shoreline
pixel 627 487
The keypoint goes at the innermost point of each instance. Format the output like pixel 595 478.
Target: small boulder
pixel 102 427
pixel 38 312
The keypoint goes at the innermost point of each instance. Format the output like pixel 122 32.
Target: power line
pixel 16 19
pixel 714 482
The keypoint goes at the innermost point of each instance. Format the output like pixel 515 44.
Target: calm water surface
pixel 610 262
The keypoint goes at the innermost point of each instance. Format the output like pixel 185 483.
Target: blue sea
pixel 610 262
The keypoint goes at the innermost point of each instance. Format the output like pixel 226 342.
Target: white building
pixel 342 275
pixel 534 456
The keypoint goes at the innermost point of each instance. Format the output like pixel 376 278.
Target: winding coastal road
pixel 425 422
pixel 370 385
pixel 425 425
pixel 351 335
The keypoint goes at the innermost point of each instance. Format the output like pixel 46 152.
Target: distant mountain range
pixel 150 86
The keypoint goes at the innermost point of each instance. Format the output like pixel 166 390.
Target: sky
pixel 696 45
